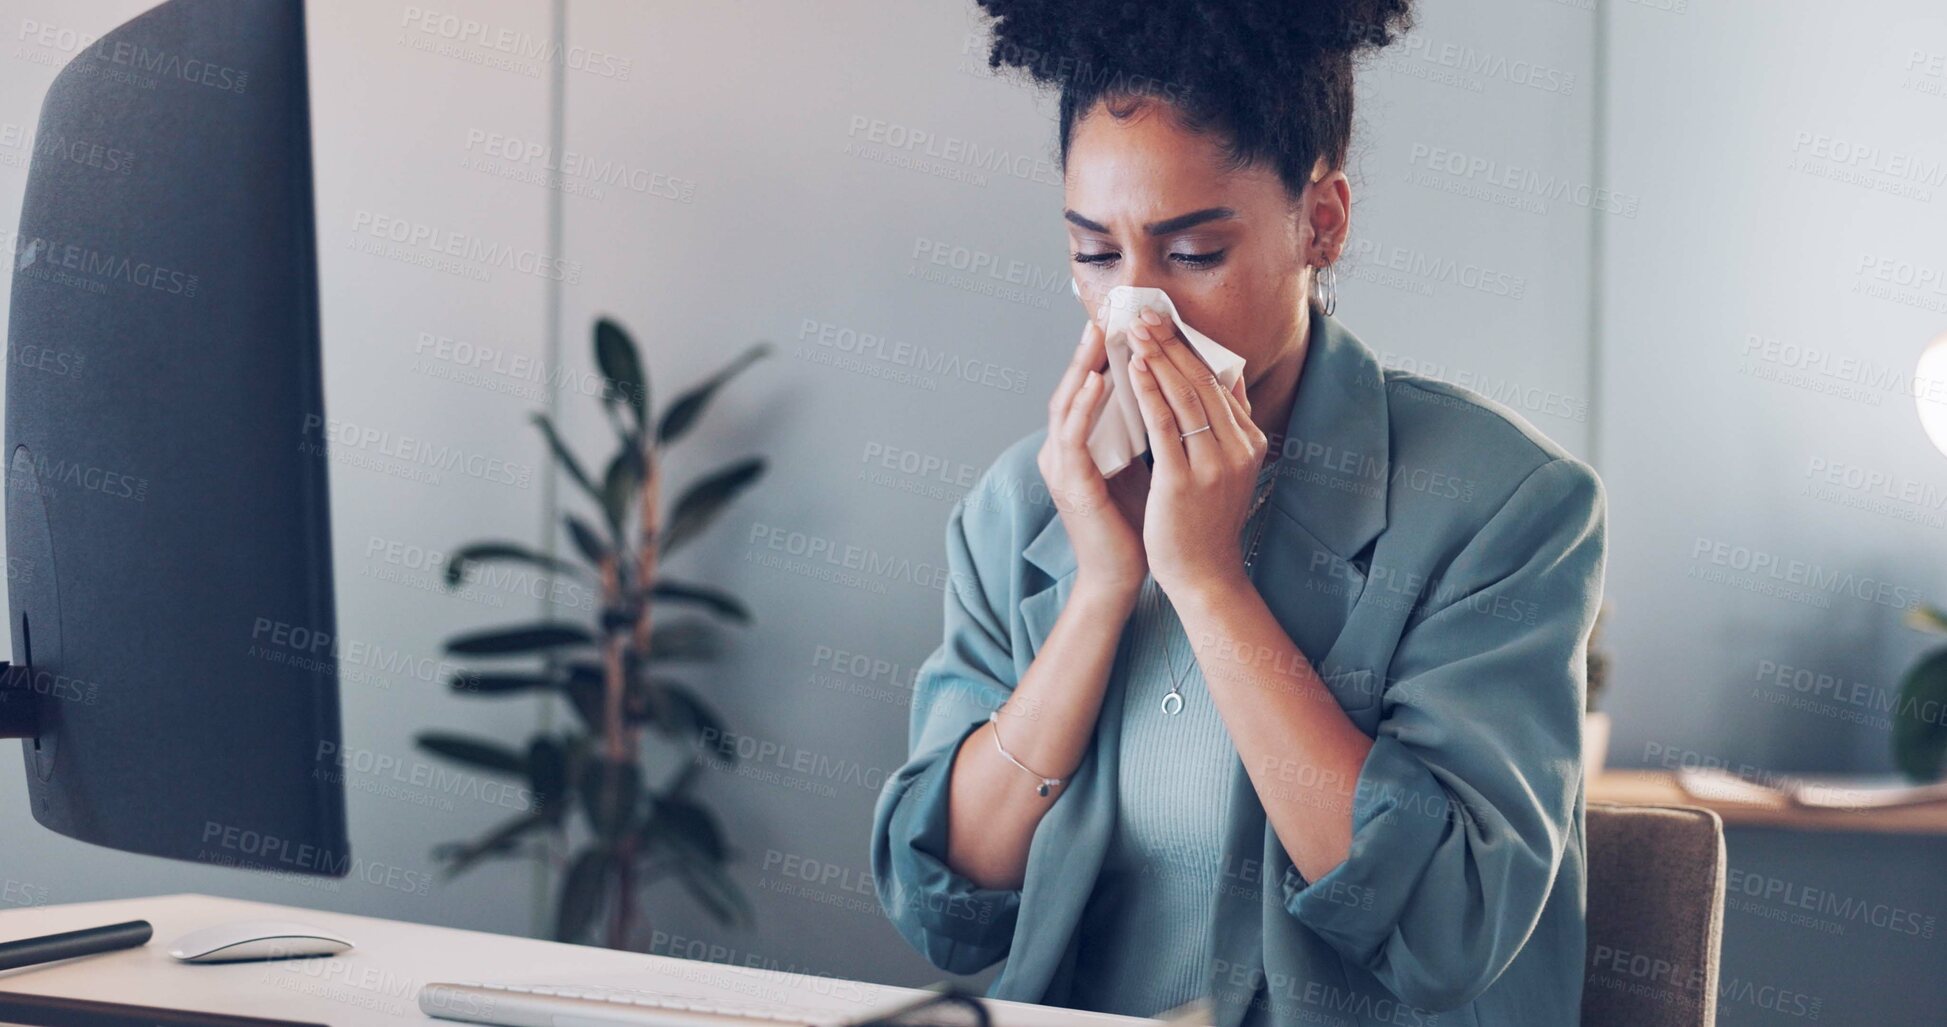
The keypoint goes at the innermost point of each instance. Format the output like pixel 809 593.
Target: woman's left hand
pixel 1201 487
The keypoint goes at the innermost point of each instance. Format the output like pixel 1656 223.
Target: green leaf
pixel 460 857
pixel 525 639
pixel 686 409
pixel 547 777
pixel 619 485
pixel 585 693
pixel 1919 736
pixel 689 716
pixel 685 824
pixel 610 818
pixel 587 541
pixel 708 883
pixel 721 603
pixel 707 498
pixel 473 752
pixel 581 894
pixel 615 354
pixel 690 638
pixel 481 552
pixel 468 682
pixel 566 458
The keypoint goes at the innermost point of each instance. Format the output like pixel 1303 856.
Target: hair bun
pixel 1053 40
pixel 1354 26
pixel 1274 77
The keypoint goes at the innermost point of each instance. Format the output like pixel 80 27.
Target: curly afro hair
pixel 1271 78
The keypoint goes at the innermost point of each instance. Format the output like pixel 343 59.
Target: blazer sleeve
pixel 959 926
pixel 1466 802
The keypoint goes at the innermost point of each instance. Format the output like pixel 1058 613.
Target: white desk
pixel 378 981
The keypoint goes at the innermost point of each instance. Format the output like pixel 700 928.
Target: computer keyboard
pixel 535 1005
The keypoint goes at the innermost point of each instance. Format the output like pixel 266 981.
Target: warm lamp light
pixel 1930 391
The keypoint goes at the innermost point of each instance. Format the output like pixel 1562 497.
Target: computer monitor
pixel 168 539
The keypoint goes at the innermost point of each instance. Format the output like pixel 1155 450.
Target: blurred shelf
pixel 1659 788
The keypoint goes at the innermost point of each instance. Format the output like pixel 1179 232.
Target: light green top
pixel 1145 935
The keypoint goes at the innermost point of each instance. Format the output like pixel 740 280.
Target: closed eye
pixel 1192 260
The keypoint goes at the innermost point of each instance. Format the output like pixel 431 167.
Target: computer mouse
pixel 256 939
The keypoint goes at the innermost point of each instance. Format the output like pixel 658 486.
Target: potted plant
pixel 1595 723
pixel 1920 712
pixel 596 811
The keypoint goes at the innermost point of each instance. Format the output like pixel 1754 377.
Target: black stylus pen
pixel 49 947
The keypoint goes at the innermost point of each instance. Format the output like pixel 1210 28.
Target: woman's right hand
pixel 1103 516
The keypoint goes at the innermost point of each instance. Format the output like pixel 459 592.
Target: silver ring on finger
pixel 1180 436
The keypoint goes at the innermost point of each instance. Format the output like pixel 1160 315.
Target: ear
pixel 1326 212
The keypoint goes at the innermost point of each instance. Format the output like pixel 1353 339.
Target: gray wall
pixel 1773 500
pixel 1586 212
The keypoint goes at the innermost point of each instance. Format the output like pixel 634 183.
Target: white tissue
pixel 1119 436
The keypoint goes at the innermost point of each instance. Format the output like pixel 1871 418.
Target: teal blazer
pixel 1440 561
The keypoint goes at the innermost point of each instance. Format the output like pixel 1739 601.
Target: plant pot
pixel 1595 742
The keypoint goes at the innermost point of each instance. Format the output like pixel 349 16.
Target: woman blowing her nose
pixel 1288 714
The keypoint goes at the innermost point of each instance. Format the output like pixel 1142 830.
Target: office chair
pixel 1655 916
